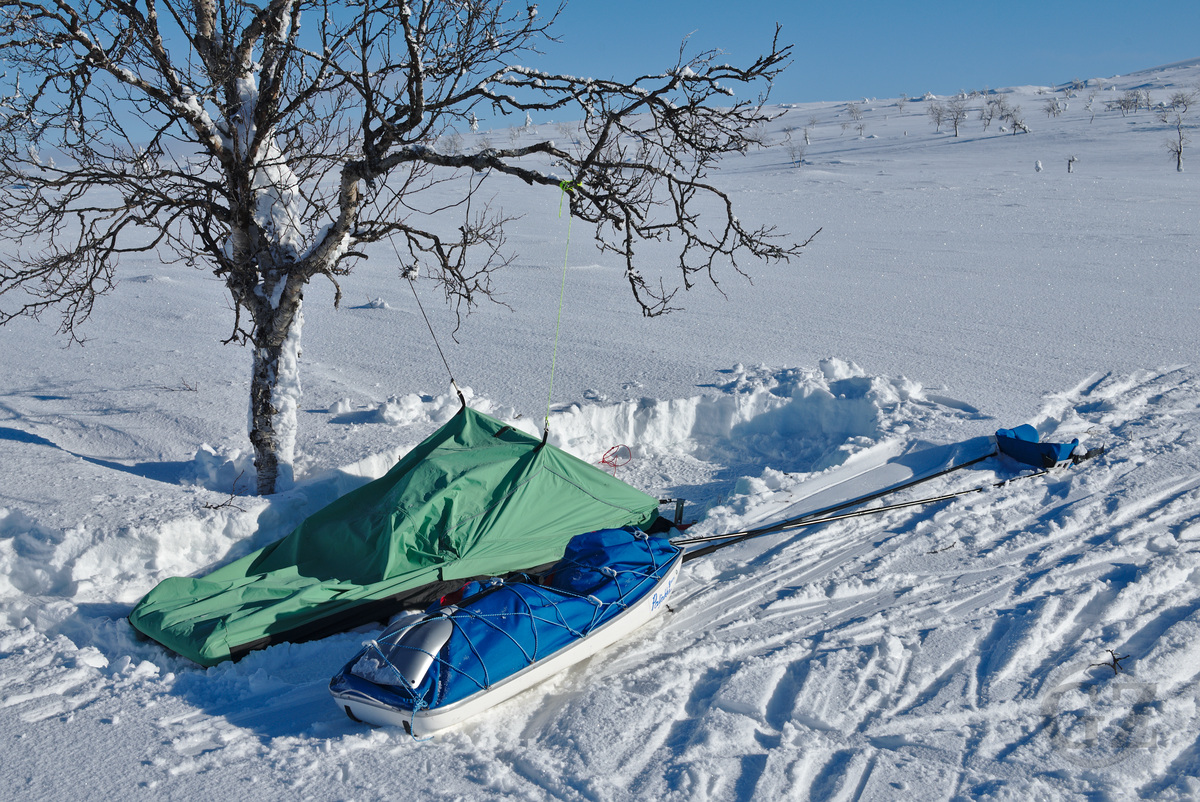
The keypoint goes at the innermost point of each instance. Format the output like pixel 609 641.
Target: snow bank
pixel 809 419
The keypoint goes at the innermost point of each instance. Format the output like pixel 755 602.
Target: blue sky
pixel 868 48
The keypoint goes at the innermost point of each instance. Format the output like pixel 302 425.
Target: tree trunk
pixel 275 398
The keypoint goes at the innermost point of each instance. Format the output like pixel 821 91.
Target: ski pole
pixel 815 519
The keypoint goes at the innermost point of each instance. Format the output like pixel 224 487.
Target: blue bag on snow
pixel 1022 445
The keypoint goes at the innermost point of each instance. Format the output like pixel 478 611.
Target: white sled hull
pixel 426 722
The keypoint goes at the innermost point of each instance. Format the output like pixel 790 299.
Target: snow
pixel 286 397
pixel 957 650
pixel 277 196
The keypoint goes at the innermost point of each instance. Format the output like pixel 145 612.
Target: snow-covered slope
pixel 956 650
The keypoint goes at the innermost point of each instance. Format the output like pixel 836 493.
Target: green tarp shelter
pixel 477 498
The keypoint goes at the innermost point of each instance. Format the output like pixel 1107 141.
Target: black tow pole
pixel 829 515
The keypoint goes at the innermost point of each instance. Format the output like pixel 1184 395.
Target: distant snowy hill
pixel 959 650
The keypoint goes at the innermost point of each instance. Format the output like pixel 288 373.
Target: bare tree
pixel 901 102
pixel 269 142
pixel 986 112
pixel 1013 116
pixel 757 135
pixel 956 112
pixel 937 114
pixel 1129 102
pixel 855 111
pixel 1174 115
pixel 794 149
pixel 1181 101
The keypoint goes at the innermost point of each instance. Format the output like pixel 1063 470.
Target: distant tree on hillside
pixel 795 150
pixel 1015 118
pixel 269 141
pixel 1181 101
pixel 756 135
pixel 956 112
pixel 1129 102
pixel 986 112
pixel 1174 115
pixel 1007 113
pixel 937 114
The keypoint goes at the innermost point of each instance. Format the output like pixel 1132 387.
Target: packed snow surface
pixel 1037 639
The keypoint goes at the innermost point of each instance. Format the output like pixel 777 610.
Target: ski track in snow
pixel 958 650
pixel 859 653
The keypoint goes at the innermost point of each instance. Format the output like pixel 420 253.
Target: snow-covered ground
pixel 950 651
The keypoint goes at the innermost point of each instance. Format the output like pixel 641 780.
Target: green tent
pixel 477 498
